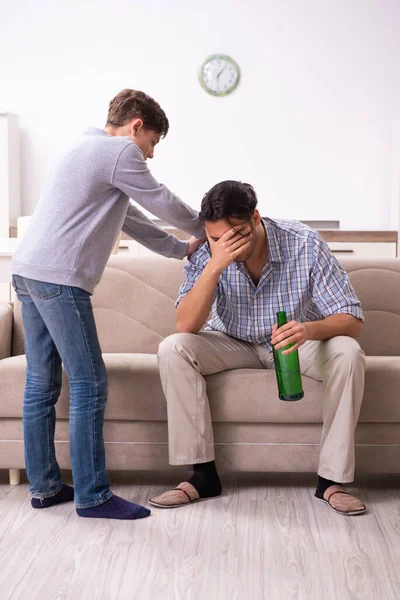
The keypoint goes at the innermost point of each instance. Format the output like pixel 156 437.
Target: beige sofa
pixel 254 430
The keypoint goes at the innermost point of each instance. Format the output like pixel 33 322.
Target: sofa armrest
pixel 6 325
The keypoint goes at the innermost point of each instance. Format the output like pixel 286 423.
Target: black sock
pixel 205 479
pixel 115 508
pixel 66 494
pixel 323 485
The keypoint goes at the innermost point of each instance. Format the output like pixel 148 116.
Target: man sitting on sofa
pixel 249 269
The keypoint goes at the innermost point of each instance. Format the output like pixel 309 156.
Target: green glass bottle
pixel 287 367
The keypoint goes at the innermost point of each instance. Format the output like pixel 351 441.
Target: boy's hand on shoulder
pixel 193 244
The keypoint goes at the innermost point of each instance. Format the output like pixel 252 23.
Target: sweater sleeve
pixel 132 176
pixel 147 233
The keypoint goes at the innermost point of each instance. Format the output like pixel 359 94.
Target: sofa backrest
pixel 377 283
pixel 134 304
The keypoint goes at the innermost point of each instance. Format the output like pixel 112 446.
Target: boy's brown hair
pixel 131 104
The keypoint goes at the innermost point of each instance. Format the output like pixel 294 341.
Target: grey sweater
pixel 85 204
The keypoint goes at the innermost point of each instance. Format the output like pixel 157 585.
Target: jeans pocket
pixel 19 286
pixel 42 289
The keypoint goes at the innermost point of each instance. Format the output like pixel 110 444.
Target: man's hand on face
pixel 291 333
pixel 229 246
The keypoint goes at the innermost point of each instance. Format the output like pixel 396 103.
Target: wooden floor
pixel 266 538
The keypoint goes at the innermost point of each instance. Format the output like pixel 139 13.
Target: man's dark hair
pixel 131 104
pixel 228 199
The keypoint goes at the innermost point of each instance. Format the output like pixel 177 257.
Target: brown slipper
pixel 342 502
pixel 182 495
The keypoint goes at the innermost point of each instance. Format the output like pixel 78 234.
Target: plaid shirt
pixel 301 277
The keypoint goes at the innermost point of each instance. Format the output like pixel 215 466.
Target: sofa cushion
pixel 6 326
pixel 134 388
pixel 377 283
pixel 243 395
pixel 134 304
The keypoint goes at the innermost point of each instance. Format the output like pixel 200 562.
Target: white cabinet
pixel 361 244
pixel 363 249
pixel 358 244
pixel 10 186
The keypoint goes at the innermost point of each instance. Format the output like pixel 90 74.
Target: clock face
pixel 219 75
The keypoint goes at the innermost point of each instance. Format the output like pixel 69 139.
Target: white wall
pixel 309 126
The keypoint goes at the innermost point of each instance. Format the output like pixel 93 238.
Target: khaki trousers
pixel 184 359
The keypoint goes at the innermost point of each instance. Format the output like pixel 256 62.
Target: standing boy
pixel 58 263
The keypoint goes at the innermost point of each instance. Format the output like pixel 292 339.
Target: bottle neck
pixel 281 318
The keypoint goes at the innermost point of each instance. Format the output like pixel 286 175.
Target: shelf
pixel 342 235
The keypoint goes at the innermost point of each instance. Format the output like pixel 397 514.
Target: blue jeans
pixel 60 328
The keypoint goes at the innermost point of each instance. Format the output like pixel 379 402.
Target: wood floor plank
pixel 265 538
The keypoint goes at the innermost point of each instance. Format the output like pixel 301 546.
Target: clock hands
pixel 211 71
pixel 220 73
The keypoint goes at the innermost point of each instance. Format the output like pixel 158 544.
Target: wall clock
pixel 219 75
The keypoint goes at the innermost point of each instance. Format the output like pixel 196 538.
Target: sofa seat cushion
pixel 134 388
pixel 382 390
pixel 240 396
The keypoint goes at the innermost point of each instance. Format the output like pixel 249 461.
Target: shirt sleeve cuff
pixel 350 310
